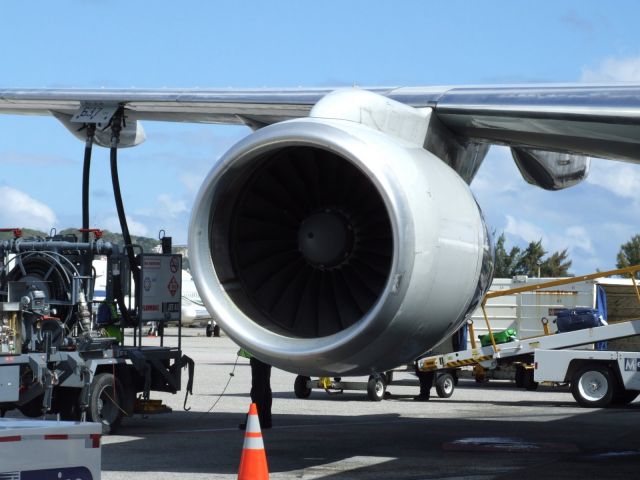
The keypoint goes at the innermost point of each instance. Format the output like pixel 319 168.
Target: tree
pixel 557 265
pixel 504 266
pixel 629 253
pixel 529 261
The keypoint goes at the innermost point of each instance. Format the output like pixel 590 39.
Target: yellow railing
pixel 630 271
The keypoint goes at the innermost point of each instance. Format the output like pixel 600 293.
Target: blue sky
pixel 116 43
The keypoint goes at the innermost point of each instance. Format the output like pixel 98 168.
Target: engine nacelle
pixel 326 247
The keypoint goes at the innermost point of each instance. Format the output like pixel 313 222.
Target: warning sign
pixel 174 264
pixel 173 286
pixel 159 295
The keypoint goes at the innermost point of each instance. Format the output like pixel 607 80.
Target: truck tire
pixel 445 385
pixel 376 388
pixel 300 387
pixel 33 408
pixel 106 399
pixel 520 372
pixel 527 380
pixel 624 397
pixel 66 402
pixel 593 386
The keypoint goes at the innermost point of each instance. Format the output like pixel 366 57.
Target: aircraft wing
pixel 595 120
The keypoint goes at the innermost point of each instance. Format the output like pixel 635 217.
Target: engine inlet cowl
pixel 326 247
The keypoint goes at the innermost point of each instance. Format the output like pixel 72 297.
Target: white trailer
pixel 46 449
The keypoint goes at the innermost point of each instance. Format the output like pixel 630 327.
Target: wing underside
pixel 601 121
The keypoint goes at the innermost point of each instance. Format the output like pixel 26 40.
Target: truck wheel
pixel 67 403
pixel 445 385
pixel 527 380
pixel 208 330
pixel 624 397
pixel 216 331
pixel 106 402
pixel 300 387
pixel 520 372
pixel 593 386
pixel 33 408
pixel 375 388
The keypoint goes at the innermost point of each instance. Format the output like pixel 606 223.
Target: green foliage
pixel 505 263
pixel 629 253
pixel 529 261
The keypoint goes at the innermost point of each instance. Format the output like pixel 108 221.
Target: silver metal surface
pixel 551 170
pixel 595 120
pixel 438 261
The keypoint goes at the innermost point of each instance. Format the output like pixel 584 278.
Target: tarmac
pixel 488 431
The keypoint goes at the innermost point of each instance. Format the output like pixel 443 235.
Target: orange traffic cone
pixel 253 463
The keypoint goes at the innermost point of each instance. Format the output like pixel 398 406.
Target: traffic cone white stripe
pixel 253 443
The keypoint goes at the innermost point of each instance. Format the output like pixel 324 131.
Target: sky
pixel 118 43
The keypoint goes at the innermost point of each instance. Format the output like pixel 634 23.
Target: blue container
pixel 577 319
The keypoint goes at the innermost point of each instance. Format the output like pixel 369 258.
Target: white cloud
pixel 613 70
pixel 620 178
pixel 21 210
pixel 171 206
pixel 135 228
pixel 573 237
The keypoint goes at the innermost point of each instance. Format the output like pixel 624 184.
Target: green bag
pixel 508 335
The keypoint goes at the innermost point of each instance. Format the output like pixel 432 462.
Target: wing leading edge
pixel 595 120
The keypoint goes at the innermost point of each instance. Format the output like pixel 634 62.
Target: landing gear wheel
pixel 593 386
pixel 106 399
pixel 216 331
pixel 300 387
pixel 376 388
pixel 445 385
pixel 209 330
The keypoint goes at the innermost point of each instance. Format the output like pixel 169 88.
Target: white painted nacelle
pixel 333 247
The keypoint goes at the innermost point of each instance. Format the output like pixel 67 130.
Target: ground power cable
pixel 224 390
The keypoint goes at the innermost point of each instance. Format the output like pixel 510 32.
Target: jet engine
pixel 327 247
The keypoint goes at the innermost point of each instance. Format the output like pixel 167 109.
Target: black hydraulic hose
pixel 86 168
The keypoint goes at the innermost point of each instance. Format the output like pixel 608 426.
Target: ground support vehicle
pixel 60 355
pixel 526 353
pixel 586 369
pixel 47 449
pixel 597 378
pixel 375 386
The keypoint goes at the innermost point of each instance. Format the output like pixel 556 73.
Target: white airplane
pixel 341 237
pixel 193 311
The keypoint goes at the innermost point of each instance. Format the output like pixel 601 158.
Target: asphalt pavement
pixel 490 431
